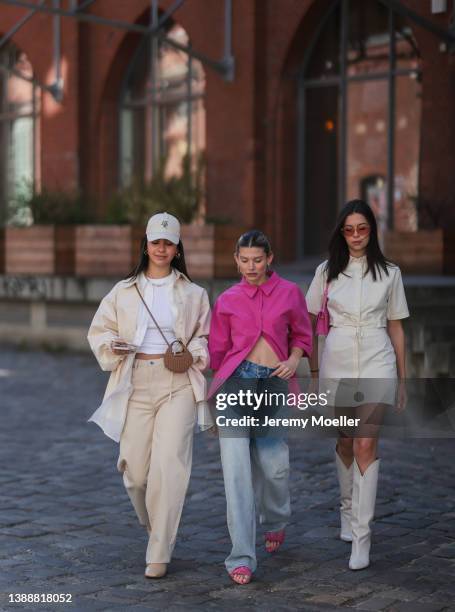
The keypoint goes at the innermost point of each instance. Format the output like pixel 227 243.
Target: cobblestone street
pixel 67 526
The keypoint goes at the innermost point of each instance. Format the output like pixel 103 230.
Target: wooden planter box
pixel 226 237
pixel 65 250
pixel 449 252
pixel 2 250
pixel 137 234
pixel 110 250
pixel 84 250
pixel 37 250
pixel 208 249
pixel 198 243
pixel 28 250
pixel 422 252
pixel 102 250
pixel 33 250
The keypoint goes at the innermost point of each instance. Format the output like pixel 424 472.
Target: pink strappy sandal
pixel 274 536
pixel 243 570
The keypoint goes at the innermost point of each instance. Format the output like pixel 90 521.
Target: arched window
pixel 360 107
pixel 18 130
pixel 162 115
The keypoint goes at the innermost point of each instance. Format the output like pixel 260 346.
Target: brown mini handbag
pixel 175 361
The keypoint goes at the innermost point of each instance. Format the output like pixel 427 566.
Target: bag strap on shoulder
pixel 153 318
pixel 159 328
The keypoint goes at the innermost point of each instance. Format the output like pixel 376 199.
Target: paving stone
pixel 375 603
pixel 73 529
pixel 323 598
pixel 446 550
pixel 419 607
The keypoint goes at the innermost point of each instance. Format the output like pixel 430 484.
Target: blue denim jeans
pixel 256 474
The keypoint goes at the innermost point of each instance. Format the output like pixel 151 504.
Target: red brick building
pixel 328 100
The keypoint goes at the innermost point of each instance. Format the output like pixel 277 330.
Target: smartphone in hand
pixel 121 346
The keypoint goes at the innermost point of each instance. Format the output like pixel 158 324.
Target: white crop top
pixel 156 296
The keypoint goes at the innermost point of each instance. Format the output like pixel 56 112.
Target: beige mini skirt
pixel 358 366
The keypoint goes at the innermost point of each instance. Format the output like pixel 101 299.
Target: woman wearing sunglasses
pixel 363 356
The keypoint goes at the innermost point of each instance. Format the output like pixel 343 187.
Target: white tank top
pixel 156 296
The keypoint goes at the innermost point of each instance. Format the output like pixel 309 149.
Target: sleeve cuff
pixel 396 317
pixel 307 350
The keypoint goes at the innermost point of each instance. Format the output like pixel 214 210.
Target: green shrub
pixel 50 207
pixel 178 195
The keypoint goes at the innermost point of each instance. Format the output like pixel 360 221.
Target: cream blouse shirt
pixel 356 300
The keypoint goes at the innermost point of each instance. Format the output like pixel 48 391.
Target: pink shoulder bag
pixel 323 319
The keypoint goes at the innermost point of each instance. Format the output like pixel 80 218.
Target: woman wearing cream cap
pixel 148 408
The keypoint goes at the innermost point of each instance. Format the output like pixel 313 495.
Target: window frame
pixel 342 81
pixel 7 119
pixel 155 106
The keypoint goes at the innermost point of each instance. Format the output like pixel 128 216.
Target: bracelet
pixel 314 370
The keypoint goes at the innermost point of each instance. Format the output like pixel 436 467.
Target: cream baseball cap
pixel 165 226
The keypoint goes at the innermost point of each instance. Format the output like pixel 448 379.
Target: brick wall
pixel 251 122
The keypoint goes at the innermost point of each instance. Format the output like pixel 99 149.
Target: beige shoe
pixel 156 570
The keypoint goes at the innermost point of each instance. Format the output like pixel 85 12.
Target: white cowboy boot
pixel 363 501
pixel 345 481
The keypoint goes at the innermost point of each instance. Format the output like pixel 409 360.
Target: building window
pixel 18 131
pixel 360 108
pixel 162 115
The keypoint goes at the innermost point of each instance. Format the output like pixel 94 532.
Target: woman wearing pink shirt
pixel 259 331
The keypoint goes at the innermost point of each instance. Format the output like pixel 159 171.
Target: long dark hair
pixel 254 238
pixel 178 262
pixel 338 248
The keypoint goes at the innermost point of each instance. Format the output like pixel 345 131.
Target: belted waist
pixel 360 330
pixel 360 325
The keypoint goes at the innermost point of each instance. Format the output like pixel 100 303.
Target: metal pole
pixel 89 17
pixel 219 66
pixel 34 116
pixel 228 28
pixel 398 7
pixel 225 67
pixel 81 16
pixel 154 109
pixel 189 104
pixel 19 24
pixel 228 59
pixel 57 87
pixel 301 171
pixel 391 125
pixel 342 147
pixel 27 78
pixel 4 135
pixel 82 6
pixel 170 11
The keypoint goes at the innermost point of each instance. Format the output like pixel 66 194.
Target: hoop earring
pixel 178 255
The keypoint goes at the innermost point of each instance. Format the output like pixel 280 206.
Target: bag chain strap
pixel 159 328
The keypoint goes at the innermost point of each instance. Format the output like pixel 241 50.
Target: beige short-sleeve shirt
pixel 356 299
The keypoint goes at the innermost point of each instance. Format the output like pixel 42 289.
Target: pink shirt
pixel 242 314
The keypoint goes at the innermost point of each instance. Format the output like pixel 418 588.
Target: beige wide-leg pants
pixel 156 448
